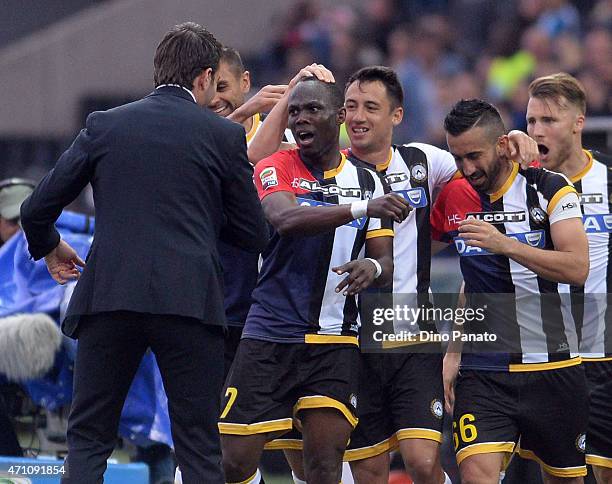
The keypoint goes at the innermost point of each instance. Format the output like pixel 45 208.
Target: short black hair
pixel 185 51
pixel 334 95
pixel 232 58
pixel 386 76
pixel 471 113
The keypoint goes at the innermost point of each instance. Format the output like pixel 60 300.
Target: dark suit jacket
pixel 169 178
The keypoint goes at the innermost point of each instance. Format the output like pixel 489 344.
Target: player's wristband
pixel 377 265
pixel 359 209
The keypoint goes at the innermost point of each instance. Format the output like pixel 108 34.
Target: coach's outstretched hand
pixel 62 263
pixel 391 206
pixel 361 273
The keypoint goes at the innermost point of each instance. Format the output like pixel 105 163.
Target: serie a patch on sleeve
pixel 268 178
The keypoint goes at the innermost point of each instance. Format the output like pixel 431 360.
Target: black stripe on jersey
pixel 550 302
pixel 322 262
pixel 413 156
pixel 546 182
pixel 512 332
pixel 351 311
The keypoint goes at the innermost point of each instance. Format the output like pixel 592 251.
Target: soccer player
pixel 403 394
pixel 233 84
pixel 555 119
pixel 402 397
pixel 527 381
pixel 298 357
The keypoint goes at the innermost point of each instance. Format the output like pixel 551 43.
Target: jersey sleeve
pixel 557 194
pixel 379 227
pixel 566 206
pixel 456 199
pixel 272 174
pixel 442 167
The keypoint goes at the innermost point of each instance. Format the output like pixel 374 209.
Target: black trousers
pixel 190 358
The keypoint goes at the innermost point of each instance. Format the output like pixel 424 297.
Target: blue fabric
pixel 26 287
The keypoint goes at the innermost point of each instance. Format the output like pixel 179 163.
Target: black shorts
pixel 547 410
pixel 400 397
pixel 270 383
pixel 232 340
pixel 599 433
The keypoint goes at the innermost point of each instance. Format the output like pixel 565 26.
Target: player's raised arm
pixel 270 136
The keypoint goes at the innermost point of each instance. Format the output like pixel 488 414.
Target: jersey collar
pixel 585 170
pixel 507 184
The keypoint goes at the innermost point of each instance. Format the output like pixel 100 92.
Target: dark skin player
pixel 315 116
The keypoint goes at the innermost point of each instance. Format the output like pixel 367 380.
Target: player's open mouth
pixel 305 137
pixel 543 149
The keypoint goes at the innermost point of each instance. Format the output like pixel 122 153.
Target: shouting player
pixel 299 357
pixel 555 119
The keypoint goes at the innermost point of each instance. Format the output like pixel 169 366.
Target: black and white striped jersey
pixel 591 304
pixel 524 311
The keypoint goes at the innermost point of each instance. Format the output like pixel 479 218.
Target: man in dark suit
pixel 169 178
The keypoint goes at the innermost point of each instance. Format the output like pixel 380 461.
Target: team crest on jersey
pixel 268 177
pixel 436 408
pixel 581 443
pixel 353 400
pixel 588 198
pixel 418 172
pixel 537 215
pixel 497 217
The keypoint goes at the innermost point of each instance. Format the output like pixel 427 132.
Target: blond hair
pixel 558 86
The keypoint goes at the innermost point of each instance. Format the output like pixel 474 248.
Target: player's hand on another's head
pixel 522 148
pixel 478 233
pixel 313 70
pixel 390 205
pixel 361 273
pixel 62 263
pixel 266 98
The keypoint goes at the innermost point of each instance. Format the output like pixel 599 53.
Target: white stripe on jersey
pixel 332 306
pixel 595 196
pixel 528 308
pixel 440 169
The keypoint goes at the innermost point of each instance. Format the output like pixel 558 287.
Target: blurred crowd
pixel 444 50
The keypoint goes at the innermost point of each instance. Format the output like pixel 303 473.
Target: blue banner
pixel 536 238
pixel 600 223
pixel 416 197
